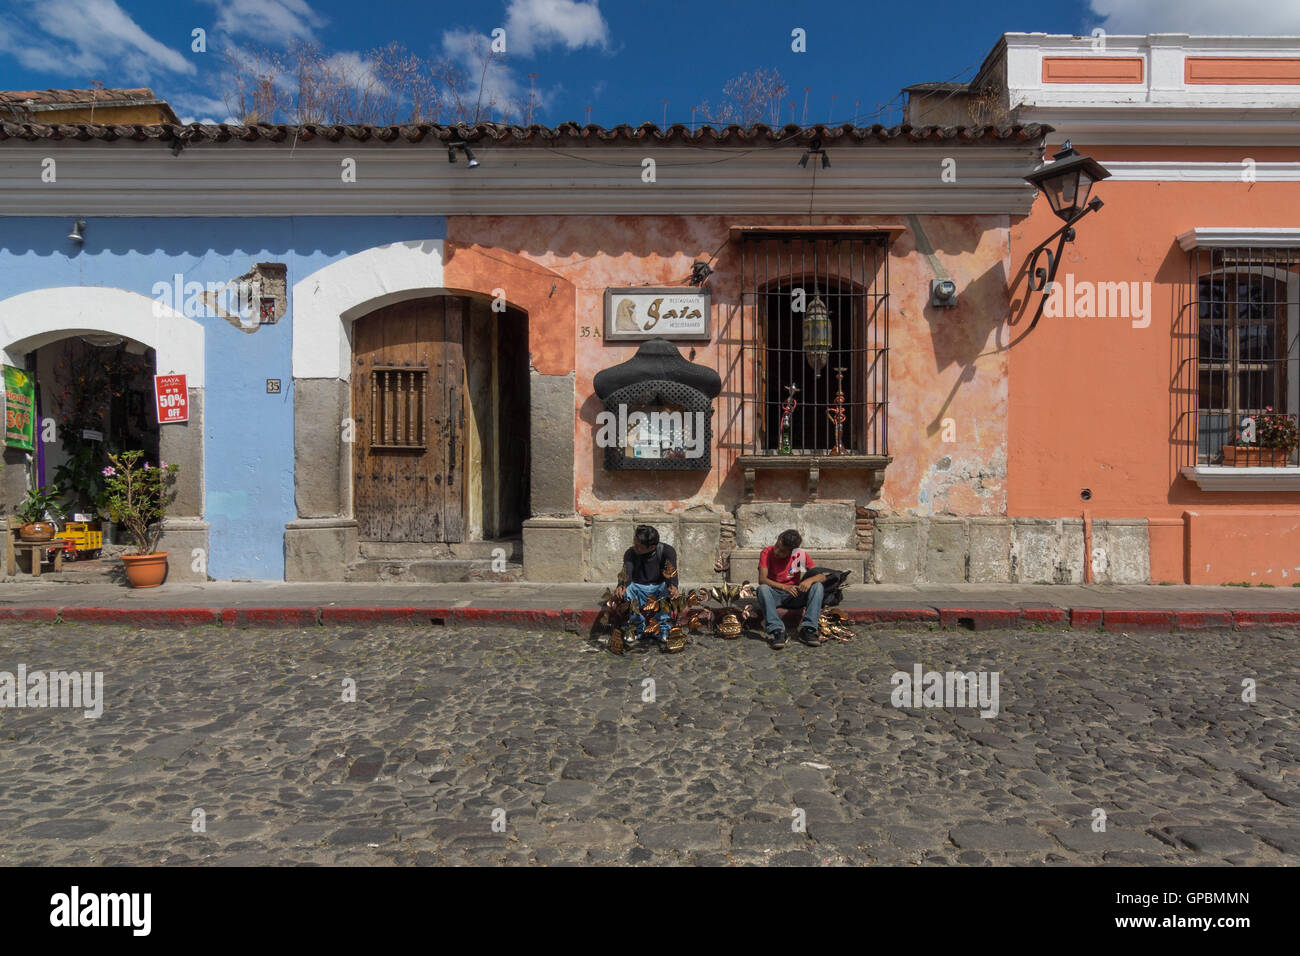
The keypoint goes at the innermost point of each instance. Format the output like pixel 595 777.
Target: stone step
pixel 436 571
pixel 422 551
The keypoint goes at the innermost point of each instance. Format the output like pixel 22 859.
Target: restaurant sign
pixel 645 313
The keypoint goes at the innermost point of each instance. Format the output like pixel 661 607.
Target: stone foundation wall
pixel 881 549
pixel 696 534
pixel 952 550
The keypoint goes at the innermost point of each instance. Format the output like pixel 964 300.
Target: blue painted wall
pixel 248 437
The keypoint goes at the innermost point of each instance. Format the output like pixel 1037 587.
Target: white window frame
pixel 1225 477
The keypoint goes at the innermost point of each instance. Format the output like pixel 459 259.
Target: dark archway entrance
pixel 98 391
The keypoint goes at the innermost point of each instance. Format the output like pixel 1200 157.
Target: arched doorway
pixel 97 390
pixel 33 327
pixel 439 395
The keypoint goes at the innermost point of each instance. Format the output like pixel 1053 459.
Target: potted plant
pixel 40 503
pixel 138 496
pixel 1276 437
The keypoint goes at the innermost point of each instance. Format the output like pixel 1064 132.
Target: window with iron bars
pixel 838 370
pixel 1242 358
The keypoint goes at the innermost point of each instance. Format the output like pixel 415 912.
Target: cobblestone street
pixel 716 762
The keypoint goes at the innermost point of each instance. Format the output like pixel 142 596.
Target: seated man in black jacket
pixel 651 570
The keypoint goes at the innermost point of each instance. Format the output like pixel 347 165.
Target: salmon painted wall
pixel 1092 402
pixel 944 363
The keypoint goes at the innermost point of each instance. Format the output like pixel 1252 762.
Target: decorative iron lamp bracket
pixel 1041 278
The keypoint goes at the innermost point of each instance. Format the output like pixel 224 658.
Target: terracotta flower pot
pixel 1252 456
pixel 145 570
pixel 36 531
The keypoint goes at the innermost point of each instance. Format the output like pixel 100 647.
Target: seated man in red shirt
pixel 782 583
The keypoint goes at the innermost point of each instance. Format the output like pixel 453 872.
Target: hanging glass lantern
pixel 817 334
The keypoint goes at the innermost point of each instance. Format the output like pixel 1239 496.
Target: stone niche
pixel 658 411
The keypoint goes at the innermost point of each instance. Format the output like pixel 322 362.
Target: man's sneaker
pixel 778 640
pixel 810 636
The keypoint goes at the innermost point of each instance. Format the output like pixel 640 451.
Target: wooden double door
pixel 408 404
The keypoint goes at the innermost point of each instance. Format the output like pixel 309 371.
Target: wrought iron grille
pixel 1238 359
pixel 849 273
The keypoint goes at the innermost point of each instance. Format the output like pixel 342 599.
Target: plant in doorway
pixel 137 499
pixel 96 391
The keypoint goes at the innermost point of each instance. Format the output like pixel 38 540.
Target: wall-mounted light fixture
pixel 78 232
pixel 105 340
pixel 1066 181
pixel 815 149
pixel 464 148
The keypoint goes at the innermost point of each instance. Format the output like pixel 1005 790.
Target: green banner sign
pixel 20 408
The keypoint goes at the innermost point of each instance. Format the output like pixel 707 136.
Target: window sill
pixel 812 465
pixel 1225 478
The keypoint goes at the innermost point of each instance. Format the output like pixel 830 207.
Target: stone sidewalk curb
pixel 584 619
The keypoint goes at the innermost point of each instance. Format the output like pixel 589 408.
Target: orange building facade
pixel 1202 223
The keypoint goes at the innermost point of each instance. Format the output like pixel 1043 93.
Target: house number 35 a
pixel 589 333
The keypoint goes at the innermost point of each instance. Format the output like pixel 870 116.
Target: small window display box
pixel 658 411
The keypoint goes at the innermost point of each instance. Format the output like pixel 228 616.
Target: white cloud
pixel 355 70
pixel 85 37
pixel 533 25
pixel 200 108
pixel 1200 17
pixel 498 85
pixel 265 20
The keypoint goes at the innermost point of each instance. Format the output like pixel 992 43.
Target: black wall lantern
pixel 1066 181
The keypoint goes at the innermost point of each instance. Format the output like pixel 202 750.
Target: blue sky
pixel 621 58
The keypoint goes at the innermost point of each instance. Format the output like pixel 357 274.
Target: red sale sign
pixel 173 398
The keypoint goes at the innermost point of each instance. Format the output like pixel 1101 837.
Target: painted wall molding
pixel 32 319
pixel 1249 237
pixel 236 180
pixel 1177 171
pixel 1224 478
pixel 1136 123
pixel 326 302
